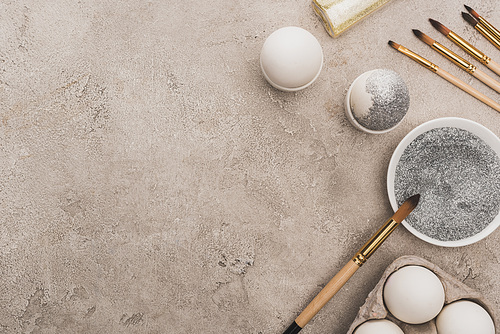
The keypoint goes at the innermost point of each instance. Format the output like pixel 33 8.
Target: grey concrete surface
pixel 151 180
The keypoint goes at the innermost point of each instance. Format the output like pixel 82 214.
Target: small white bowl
pixel 475 128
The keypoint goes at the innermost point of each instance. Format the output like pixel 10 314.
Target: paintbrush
pixel 485 32
pixel 482 21
pixel 459 61
pixel 350 268
pixel 469 48
pixel 447 76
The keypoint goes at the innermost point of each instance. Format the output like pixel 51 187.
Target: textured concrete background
pixel 151 181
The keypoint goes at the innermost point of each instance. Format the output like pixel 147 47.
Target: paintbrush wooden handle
pixel 323 297
pixel 486 79
pixel 468 89
pixel 494 66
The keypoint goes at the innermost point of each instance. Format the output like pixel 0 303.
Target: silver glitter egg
pixel 377 101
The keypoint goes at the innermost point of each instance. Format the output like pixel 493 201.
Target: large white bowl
pixel 479 130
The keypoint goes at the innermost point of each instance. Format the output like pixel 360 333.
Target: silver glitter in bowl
pixel 378 100
pixel 458 177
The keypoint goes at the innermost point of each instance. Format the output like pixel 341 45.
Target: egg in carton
pixel 375 309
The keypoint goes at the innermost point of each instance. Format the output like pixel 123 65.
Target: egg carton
pixel 374 307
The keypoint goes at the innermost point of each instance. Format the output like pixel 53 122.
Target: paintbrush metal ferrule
pixel 447 76
pixel 482 21
pixel 375 241
pixel 419 59
pixel 464 64
pixel 469 48
pixel 494 31
pixel 489 36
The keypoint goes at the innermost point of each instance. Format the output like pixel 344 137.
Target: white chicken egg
pixel 414 294
pixel 381 326
pixel 291 59
pixel 464 317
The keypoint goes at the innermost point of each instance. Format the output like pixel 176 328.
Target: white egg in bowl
pixel 377 101
pixel 291 59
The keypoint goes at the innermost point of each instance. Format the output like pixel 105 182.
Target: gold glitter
pixel 338 15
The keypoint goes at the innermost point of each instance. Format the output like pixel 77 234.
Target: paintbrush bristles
pixel 469 18
pixel 472 11
pixel 423 37
pixel 405 208
pixel 394 45
pixel 441 28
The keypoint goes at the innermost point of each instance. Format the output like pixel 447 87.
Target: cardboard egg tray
pixel 374 307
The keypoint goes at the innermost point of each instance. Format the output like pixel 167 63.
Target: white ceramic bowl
pixel 479 130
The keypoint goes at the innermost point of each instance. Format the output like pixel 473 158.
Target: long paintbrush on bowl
pixel 459 61
pixel 352 266
pixel 482 30
pixel 447 76
pixel 466 46
pixel 482 21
